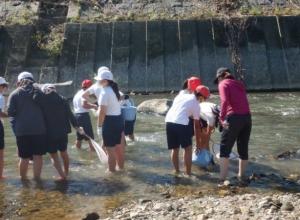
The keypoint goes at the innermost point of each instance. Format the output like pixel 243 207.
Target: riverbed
pixel 276 123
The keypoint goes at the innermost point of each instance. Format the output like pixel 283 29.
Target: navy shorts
pixel 112 130
pixel 129 127
pixel 239 131
pixel 178 136
pixel 2 144
pixel 59 144
pixel 84 120
pixel 30 145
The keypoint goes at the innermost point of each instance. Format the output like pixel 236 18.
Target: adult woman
pixel 236 120
pixel 178 131
pixel 30 128
pixel 110 121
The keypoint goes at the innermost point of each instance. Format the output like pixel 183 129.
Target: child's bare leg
pixel 23 166
pixel 65 157
pixel 56 163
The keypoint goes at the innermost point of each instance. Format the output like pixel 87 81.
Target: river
pixel 276 124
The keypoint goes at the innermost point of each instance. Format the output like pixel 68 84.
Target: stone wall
pixel 156 56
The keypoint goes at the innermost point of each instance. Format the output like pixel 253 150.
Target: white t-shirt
pixel 2 103
pixel 184 91
pixel 95 90
pixel 108 98
pixel 184 106
pixel 207 114
pixel 78 102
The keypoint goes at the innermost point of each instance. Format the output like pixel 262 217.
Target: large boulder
pixel 155 106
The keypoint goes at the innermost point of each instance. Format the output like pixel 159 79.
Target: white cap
pixel 3 81
pixel 45 87
pixel 103 68
pixel 25 75
pixel 104 75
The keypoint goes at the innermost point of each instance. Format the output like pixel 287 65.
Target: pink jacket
pixel 233 98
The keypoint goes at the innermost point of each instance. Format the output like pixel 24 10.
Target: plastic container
pixel 202 158
pixel 129 113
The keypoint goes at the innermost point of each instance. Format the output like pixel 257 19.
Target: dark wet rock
pixel 92 216
pixel 16 3
pixel 166 195
pixel 288 206
pixel 286 155
pixel 155 106
pixel 143 201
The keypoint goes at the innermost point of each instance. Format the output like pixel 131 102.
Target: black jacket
pixel 27 115
pixel 57 113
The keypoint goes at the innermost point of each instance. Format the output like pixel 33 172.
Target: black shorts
pixel 239 131
pixel 2 144
pixel 178 135
pixel 191 127
pixel 30 145
pixel 129 127
pixel 59 144
pixel 84 120
pixel 113 128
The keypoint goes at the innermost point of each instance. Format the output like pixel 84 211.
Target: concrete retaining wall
pixel 157 56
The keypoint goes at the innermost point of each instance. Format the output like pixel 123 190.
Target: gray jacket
pixel 28 115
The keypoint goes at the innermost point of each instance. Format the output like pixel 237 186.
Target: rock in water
pixel 92 216
pixel 155 106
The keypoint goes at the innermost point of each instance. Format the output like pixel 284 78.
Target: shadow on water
pixel 86 186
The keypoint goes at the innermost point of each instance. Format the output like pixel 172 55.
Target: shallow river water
pixel 276 125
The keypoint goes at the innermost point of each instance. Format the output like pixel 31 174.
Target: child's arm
pixel 3 114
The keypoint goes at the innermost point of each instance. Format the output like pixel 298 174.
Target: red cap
pixel 193 83
pixel 204 91
pixel 86 84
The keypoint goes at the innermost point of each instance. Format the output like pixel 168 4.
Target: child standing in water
pixel 3 88
pixel 110 120
pixel 30 128
pixel 178 130
pixel 58 117
pixel 81 110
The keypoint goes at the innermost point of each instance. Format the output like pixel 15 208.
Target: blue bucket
pixel 129 113
pixel 202 158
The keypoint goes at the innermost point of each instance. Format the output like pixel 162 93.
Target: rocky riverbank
pixel 246 206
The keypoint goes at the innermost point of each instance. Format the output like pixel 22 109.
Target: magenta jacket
pixel 233 98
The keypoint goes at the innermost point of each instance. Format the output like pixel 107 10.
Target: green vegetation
pixel 23 17
pixel 51 43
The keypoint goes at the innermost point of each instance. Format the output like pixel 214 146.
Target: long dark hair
pixel 185 84
pixel 115 88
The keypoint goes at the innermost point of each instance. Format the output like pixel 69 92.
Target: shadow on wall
pixel 156 56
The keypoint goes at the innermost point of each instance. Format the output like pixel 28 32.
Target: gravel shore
pixel 246 206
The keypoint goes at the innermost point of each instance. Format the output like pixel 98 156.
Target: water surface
pixel 276 124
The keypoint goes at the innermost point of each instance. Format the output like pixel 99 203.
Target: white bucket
pixel 216 151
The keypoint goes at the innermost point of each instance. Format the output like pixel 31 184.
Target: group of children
pixel 41 121
pixel 187 118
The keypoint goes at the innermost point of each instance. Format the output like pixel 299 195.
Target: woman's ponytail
pixel 115 88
